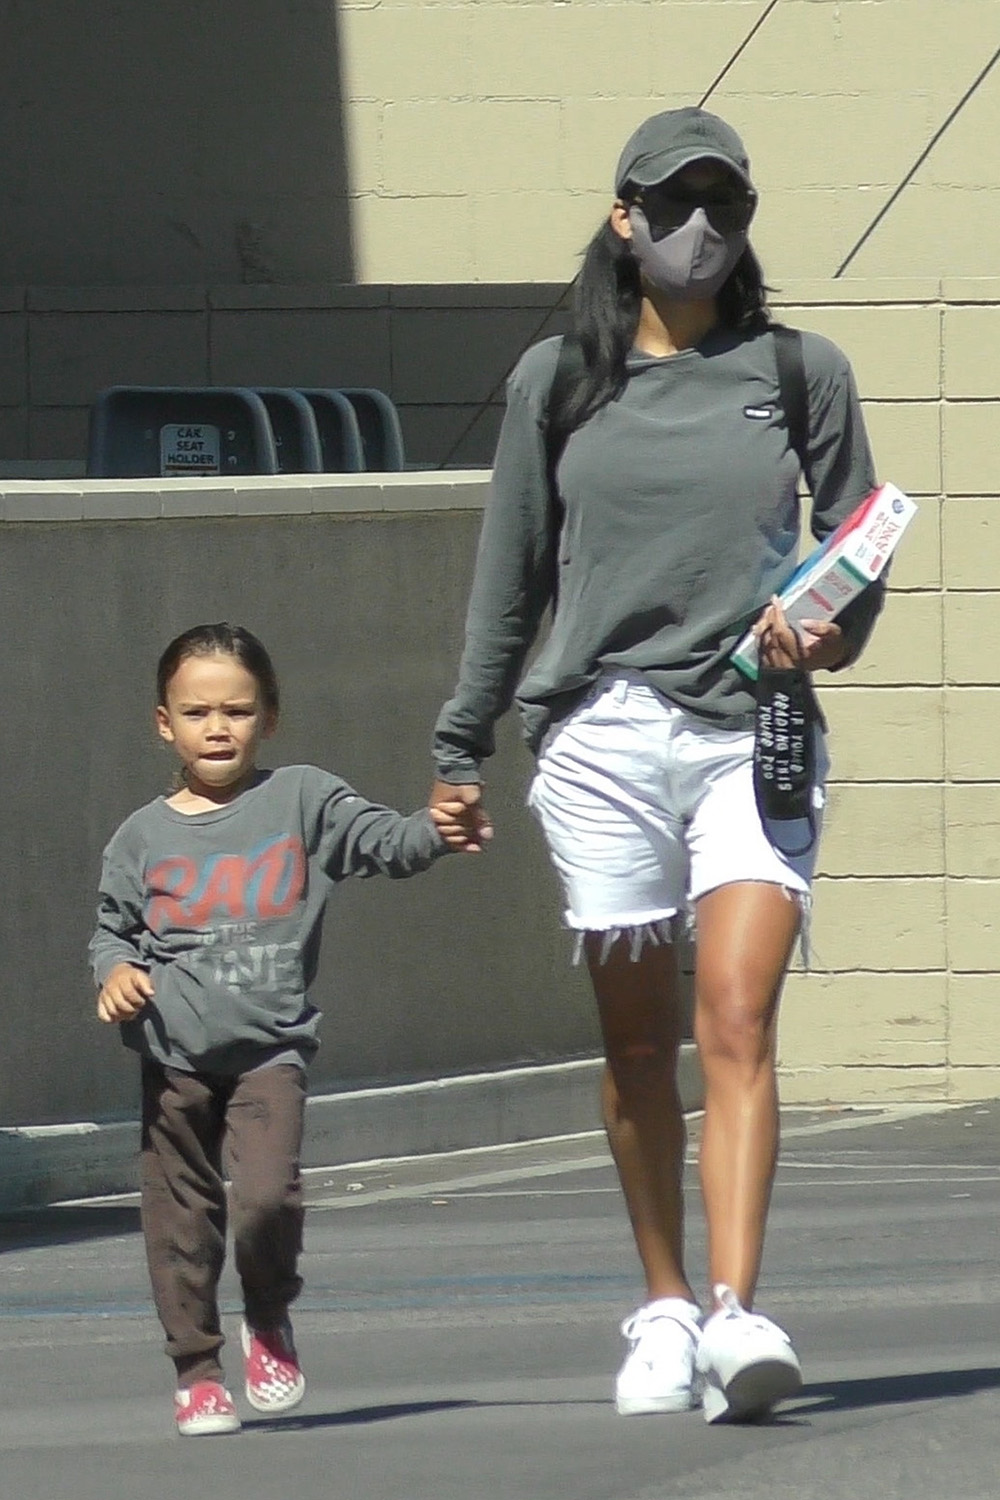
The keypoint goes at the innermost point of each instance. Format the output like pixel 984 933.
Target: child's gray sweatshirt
pixel 679 519
pixel 225 908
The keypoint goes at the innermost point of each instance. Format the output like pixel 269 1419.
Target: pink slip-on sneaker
pixel 205 1408
pixel 274 1381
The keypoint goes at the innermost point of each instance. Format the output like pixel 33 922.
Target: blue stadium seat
pixel 381 433
pixel 148 431
pixel 296 434
pixel 339 431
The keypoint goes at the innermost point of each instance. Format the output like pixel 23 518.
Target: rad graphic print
pixel 227 887
pixel 222 903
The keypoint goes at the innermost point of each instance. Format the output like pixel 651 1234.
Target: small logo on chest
pixel 758 413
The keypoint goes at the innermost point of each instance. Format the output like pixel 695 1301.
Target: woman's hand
pixel 125 992
pixel 460 816
pixel 810 646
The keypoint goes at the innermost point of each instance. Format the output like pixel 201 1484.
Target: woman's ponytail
pixel 606 315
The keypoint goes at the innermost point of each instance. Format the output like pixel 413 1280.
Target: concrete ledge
pixel 42 1164
pixel 61 499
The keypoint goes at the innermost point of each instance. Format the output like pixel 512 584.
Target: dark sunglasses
pixel 728 210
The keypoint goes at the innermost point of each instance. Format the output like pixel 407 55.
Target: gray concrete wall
pixel 462 969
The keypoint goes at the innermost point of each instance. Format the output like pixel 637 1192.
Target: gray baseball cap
pixel 666 142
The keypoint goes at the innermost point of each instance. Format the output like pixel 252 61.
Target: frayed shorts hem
pixel 646 809
pixel 657 930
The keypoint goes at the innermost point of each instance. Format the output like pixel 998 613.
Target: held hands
pixel 810 645
pixel 461 819
pixel 125 992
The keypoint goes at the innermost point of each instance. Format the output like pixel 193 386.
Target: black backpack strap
pixel 792 387
pixel 569 367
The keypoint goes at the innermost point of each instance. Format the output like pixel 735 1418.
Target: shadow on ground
pixel 362 1416
pixel 26 1228
pixel 892 1390
pixel 841 1395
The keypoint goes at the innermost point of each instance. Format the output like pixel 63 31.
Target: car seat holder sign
pixel 190 448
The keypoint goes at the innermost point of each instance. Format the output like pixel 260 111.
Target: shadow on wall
pixel 192 144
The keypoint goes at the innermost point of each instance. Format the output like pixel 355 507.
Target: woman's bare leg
pixel 641 1021
pixel 746 933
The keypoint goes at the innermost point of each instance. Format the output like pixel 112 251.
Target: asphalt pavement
pixel 459 1330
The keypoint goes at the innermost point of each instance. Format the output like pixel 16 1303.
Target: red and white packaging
pixel 836 572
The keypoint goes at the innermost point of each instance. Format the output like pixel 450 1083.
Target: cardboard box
pixel 836 572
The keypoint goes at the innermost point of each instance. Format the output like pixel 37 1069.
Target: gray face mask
pixel 690 262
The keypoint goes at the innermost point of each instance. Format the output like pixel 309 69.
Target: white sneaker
pixel 745 1362
pixel 658 1373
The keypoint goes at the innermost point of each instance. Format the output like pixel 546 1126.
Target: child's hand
pixel 461 824
pixel 125 992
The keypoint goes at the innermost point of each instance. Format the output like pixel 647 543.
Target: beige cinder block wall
pixel 297 142
pixel 482 134
pixel 902 1002
pixel 866 125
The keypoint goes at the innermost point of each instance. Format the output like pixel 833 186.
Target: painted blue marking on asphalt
pixel 480 1290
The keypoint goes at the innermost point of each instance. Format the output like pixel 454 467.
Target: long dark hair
pixel 222 639
pixel 606 307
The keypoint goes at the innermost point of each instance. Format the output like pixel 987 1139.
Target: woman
pixel 670 523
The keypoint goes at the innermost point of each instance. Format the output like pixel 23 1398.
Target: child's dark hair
pixel 225 640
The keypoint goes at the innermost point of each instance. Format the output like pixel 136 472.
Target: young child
pixel 207 940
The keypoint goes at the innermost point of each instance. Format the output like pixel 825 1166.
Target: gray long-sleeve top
pixel 678 519
pixel 224 909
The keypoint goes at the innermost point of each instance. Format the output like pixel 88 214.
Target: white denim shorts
pixel 645 808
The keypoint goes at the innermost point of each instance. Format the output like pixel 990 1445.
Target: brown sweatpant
pixel 191 1124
